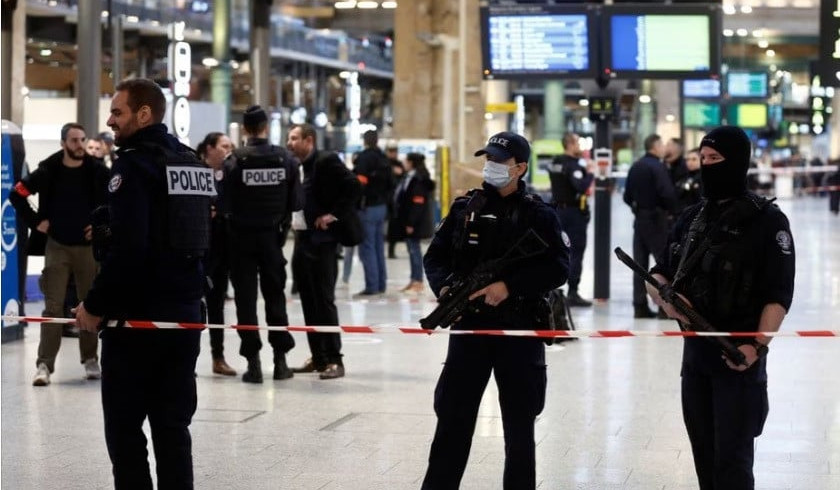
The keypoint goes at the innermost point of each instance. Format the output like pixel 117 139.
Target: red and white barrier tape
pixel 394 329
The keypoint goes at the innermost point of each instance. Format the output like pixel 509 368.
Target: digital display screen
pixel 661 42
pixel 536 41
pixel 747 115
pixel 701 114
pixel 743 84
pixel 700 89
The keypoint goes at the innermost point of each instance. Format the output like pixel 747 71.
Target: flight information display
pixel 701 114
pixel 537 44
pixel 678 43
pixel 747 84
pixel 701 89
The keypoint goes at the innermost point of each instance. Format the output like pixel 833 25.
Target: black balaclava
pixel 728 178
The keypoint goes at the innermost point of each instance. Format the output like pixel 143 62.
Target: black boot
pixel 642 311
pixel 281 369
pixel 254 372
pixel 574 299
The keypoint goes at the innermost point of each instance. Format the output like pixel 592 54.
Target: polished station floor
pixel 612 417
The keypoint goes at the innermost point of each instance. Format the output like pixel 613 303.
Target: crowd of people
pixel 160 237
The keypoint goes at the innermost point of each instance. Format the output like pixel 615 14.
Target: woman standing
pixel 414 213
pixel 213 150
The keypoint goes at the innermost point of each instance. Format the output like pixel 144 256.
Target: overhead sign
pixel 501 107
pixel 828 63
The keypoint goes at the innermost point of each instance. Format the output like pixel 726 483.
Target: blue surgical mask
pixel 496 174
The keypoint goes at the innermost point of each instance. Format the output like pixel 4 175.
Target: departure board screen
pixel 701 89
pixel 747 84
pixel 701 114
pixel 654 42
pixel 542 41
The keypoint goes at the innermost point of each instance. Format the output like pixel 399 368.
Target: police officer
pixel 650 193
pixel 570 182
pixel 262 191
pixel 732 257
pixel 689 185
pixel 159 200
pixel 482 226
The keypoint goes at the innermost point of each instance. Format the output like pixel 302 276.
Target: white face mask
pixel 496 174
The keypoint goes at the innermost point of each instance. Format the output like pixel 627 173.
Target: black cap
pixel 731 142
pixel 505 145
pixel 254 116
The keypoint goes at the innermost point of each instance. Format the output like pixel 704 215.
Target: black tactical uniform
pixel 262 189
pixel 650 193
pixel 465 239
pixel 689 191
pixel 569 184
pixel 732 255
pixel 152 270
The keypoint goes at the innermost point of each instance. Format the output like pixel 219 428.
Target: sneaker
pixel 92 370
pixel 42 377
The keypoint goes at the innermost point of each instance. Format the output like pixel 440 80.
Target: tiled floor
pixel 612 418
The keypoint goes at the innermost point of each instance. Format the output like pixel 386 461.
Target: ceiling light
pixel 728 32
pixel 746 9
pixel 670 117
pixel 770 53
pixel 389 5
pixel 729 9
pixel 644 99
pixel 345 75
pixel 132 19
pixel 46 52
pixel 763 44
pixel 584 102
pixel 367 4
pixel 742 32
pixel 105 14
pixel 758 33
pixel 345 5
pixel 210 62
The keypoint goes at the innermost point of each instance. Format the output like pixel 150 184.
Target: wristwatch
pixel 761 349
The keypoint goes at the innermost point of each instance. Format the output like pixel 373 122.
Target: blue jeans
pixel 372 248
pixel 415 258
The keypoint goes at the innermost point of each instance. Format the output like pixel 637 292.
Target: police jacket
pixel 730 260
pixel 648 187
pixel 689 191
pixel 262 186
pixel 44 181
pixel 414 202
pixel 373 170
pixel 569 182
pixel 142 277
pixel 462 242
pixel 329 187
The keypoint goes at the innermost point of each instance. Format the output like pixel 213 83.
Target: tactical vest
pixel 186 200
pixel 718 265
pixel 562 190
pixel 259 188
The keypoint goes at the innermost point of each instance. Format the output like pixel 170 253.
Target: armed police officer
pixel 482 227
pixel 650 194
pixel 151 269
pixel 570 182
pixel 262 191
pixel 732 257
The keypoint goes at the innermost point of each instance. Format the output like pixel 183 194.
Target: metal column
pixel 261 51
pixel 88 77
pixel 220 76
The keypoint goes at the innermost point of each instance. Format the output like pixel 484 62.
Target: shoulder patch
pixel 219 175
pixel 577 174
pixel 784 240
pixel 566 241
pixel 114 183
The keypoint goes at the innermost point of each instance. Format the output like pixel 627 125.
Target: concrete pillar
pixel 437 75
pixel 645 119
pixel 13 66
pixel 497 91
pixel 834 127
pixel 554 106
pixel 261 52
pixel 117 46
pixel 220 77
pixel 89 62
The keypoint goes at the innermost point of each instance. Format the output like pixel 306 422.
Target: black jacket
pixel 137 280
pixel 329 187
pixel 415 203
pixel 373 170
pixel 42 182
pixel 649 187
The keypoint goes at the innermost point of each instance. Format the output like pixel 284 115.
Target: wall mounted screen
pixel 537 41
pixel 747 115
pixel 662 42
pixel 747 84
pixel 701 89
pixel 701 114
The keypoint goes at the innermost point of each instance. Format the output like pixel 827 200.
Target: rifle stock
pixel 697 322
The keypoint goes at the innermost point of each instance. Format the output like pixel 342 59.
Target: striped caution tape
pixel 397 329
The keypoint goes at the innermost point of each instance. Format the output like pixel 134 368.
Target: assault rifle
pixel 696 321
pixel 453 303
